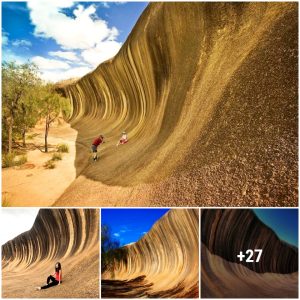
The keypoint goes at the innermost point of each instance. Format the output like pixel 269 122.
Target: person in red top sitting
pixel 97 141
pixel 54 279
pixel 124 139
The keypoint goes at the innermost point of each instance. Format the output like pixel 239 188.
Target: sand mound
pixel 68 236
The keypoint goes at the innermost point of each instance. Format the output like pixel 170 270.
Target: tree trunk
pixel 46 135
pixel 24 137
pixel 24 126
pixel 10 133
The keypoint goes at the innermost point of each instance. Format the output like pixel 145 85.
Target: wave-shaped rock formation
pixel 208 95
pixel 67 235
pixel 163 264
pixel 224 233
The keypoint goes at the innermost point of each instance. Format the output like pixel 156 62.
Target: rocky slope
pixel 67 235
pixel 208 95
pixel 164 263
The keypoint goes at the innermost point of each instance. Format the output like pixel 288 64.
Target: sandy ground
pixel 33 185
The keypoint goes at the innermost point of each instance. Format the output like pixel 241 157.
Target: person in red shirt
pixel 54 279
pixel 97 141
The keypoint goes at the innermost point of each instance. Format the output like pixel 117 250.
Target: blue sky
pixel 129 225
pixel 66 39
pixel 284 221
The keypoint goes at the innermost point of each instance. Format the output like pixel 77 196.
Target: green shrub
pixel 31 136
pixel 11 160
pixel 63 148
pixel 21 160
pixel 8 160
pixel 5 203
pixel 49 164
pixel 56 156
pixel 5 200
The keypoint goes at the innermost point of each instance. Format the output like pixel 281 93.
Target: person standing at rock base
pixel 97 141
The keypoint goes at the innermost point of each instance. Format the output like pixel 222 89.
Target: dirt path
pixel 33 185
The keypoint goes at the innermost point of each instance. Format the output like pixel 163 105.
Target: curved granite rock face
pixel 166 259
pixel 226 232
pixel 67 235
pixel 223 279
pixel 208 95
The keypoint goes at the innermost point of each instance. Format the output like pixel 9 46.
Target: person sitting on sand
pixel 97 141
pixel 124 139
pixel 53 280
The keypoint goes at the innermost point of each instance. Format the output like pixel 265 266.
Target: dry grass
pixel 12 160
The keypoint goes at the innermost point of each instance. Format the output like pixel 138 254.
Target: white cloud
pixel 69 55
pixel 82 31
pixel 102 52
pixel 9 56
pixel 105 4
pixel 21 220
pixel 84 39
pixel 116 234
pixel 4 38
pixel 21 43
pixel 49 64
pixel 59 75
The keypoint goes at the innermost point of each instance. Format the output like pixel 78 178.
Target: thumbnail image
pixel 149 253
pixel 249 253
pixel 58 257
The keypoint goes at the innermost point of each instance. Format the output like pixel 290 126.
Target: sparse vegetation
pixel 8 160
pixel 64 148
pixel 26 99
pixel 49 164
pixel 52 105
pixel 11 160
pixel 5 201
pixel 56 156
pixel 111 250
pixel 32 136
pixel 19 102
pixel 21 160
